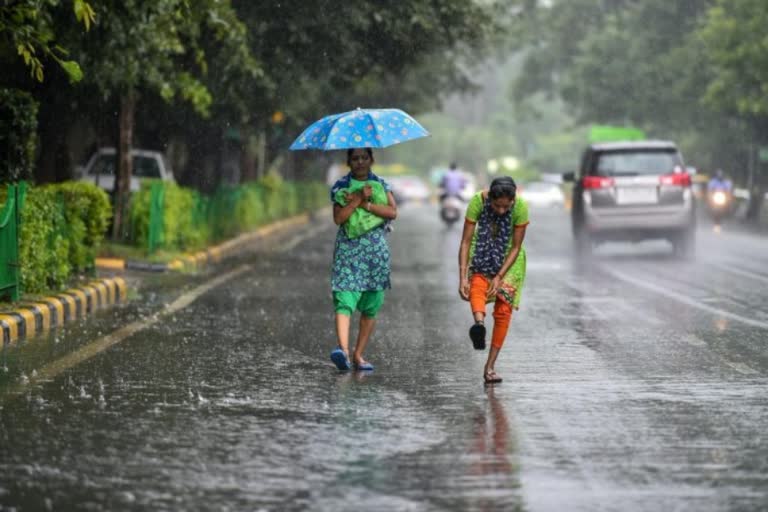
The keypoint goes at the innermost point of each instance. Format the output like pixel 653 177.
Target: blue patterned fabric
pixel 493 234
pixel 360 128
pixel 361 264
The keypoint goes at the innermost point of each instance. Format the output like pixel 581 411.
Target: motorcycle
pixel 719 204
pixel 451 209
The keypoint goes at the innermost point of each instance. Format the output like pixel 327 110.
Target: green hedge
pixel 191 220
pixel 180 229
pixel 62 227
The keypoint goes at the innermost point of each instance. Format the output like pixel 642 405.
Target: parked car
pixel 408 188
pixel 632 191
pixel 100 168
pixel 540 194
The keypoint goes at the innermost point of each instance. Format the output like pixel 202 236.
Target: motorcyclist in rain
pixel 452 182
pixel 719 182
pixel 719 197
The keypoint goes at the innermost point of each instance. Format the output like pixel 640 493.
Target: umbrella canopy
pixel 360 128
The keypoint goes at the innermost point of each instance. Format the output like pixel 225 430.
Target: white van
pixel 101 168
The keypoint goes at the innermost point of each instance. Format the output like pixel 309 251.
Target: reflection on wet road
pixel 631 383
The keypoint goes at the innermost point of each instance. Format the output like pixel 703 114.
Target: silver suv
pixel 632 191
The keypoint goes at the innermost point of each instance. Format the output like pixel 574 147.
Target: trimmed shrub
pixel 183 227
pixel 87 212
pixel 62 227
pixel 191 220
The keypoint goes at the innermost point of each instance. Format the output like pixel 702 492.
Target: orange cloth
pixel 502 311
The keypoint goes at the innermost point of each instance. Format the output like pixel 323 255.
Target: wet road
pixel 634 382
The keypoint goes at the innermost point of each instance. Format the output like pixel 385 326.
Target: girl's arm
pixel 342 213
pixel 466 241
pixel 517 242
pixel 385 211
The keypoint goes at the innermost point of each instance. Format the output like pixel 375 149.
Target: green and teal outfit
pixel 361 261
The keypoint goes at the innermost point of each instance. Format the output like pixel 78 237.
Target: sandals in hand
pixel 477 335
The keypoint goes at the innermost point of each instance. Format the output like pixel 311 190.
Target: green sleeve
pixel 475 207
pixel 340 196
pixel 520 213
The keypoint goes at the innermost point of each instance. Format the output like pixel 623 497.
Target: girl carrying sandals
pixel 492 263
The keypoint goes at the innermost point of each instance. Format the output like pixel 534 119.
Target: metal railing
pixel 10 219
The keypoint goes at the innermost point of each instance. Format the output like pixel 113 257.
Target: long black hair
pixel 503 186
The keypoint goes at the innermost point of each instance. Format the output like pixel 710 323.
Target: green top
pixel 513 281
pixel 362 221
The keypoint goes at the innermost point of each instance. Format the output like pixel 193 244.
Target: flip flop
pixel 491 378
pixel 340 359
pixel 477 335
pixel 364 367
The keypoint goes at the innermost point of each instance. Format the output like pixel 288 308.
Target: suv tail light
pixel 591 182
pixel 681 179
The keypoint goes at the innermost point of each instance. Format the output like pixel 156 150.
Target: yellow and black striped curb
pixel 32 317
pixel 200 259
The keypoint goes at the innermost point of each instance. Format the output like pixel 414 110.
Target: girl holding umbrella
pixel 361 267
pixel 361 264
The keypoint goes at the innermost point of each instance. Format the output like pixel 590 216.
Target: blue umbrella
pixel 360 128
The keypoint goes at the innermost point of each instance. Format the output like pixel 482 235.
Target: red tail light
pixel 682 179
pixel 597 182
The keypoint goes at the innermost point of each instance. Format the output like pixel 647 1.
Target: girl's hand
pixel 464 288
pixel 367 192
pixel 494 287
pixel 354 198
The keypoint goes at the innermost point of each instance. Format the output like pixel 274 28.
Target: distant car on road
pixel 100 168
pixel 542 194
pixel 408 188
pixel 632 191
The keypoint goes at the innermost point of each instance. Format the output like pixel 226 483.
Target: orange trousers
pixel 502 312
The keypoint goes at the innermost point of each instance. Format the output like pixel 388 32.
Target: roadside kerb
pixel 31 317
pixel 213 254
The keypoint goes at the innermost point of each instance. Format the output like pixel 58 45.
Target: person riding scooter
pixel 453 182
pixel 719 197
pixel 452 185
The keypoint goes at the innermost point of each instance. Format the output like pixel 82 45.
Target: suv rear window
pixel 635 163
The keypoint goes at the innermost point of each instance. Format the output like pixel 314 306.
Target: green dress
pixel 512 283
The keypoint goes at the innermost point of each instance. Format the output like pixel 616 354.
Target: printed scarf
pixel 493 232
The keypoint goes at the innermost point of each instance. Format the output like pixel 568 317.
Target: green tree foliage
pixel 18 134
pixel 692 70
pixel 155 47
pixel 736 42
pixel 27 29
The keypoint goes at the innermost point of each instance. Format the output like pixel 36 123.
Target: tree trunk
pixel 262 166
pixel 247 155
pixel 122 189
